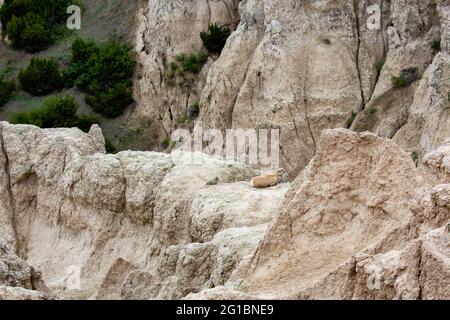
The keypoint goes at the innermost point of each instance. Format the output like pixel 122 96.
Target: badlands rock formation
pixel 366 218
pixel 302 66
pixel 134 225
pixel 361 221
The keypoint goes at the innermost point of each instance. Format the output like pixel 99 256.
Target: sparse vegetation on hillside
pixel 7 88
pixel 167 144
pixel 436 45
pixel 406 77
pixel 215 38
pixel 100 21
pixel 193 111
pixel 56 112
pixel 184 68
pixel 104 72
pixel 110 147
pixel 33 24
pixel 41 77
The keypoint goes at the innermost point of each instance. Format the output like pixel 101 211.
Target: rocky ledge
pixel 360 222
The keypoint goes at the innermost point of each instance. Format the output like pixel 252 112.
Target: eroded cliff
pixel 300 66
pixel 361 221
pixel 66 204
pixel 366 218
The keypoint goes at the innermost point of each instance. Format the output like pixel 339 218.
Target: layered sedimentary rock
pixel 300 66
pixel 166 29
pixel 428 122
pixel 339 208
pixel 93 222
pixel 361 222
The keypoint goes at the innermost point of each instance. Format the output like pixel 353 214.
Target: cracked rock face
pixel 113 221
pixel 166 29
pixel 301 67
pixel 340 207
pixel 361 222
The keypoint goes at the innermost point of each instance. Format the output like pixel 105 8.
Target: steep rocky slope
pixel 100 21
pixel 301 66
pixel 360 222
pixel 125 217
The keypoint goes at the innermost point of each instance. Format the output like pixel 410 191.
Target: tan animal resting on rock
pixel 265 181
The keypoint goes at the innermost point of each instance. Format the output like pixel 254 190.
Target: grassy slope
pixel 101 20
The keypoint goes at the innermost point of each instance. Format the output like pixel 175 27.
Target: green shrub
pixel 407 76
pixel 110 147
pixel 12 8
pixel 183 119
pixel 193 111
pixel 167 143
pixel 14 29
pixel 53 11
pixel 85 122
pixel 436 45
pixel 7 89
pixel 41 77
pixel 35 34
pixel 112 102
pixel 184 68
pixel 81 51
pixel 192 63
pixel 30 32
pixel 112 63
pixel 30 24
pixel 215 38
pixel 398 82
pixel 56 112
pixel 104 72
pixel 373 110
